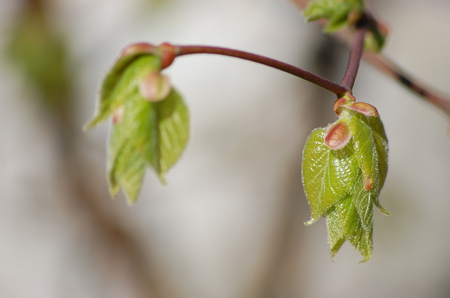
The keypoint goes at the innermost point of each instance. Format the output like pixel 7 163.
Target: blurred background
pixel 229 224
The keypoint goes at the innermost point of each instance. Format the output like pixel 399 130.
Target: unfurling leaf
pixel 150 120
pixel 376 36
pixel 337 12
pixel 344 168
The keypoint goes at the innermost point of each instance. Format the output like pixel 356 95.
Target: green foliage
pixel 150 124
pixel 337 12
pixel 42 56
pixel 344 165
pixel 376 37
pixel 121 83
pixel 346 12
pixel 344 168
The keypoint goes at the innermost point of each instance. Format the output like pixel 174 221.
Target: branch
pixel 337 89
pixel 387 66
pixel 355 58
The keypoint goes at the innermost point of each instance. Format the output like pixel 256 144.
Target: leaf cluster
pixel 338 12
pixel 343 182
pixel 150 122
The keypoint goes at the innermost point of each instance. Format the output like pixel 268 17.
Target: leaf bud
pixel 363 108
pixel 343 101
pixel 337 135
pixel 167 54
pixel 154 87
pixel 138 49
pixel 118 114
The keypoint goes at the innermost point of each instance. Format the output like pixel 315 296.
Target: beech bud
pixel 138 48
pixel 364 108
pixel 337 135
pixel 154 86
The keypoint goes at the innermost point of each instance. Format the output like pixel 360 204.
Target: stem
pixel 392 70
pixel 337 89
pixel 354 59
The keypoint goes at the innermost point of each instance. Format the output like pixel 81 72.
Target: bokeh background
pixel 229 223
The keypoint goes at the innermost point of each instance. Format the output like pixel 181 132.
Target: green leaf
pixel 343 183
pixel 38 50
pixel 150 121
pixel 155 132
pixel 126 170
pixel 352 220
pixel 376 36
pixel 364 148
pixel 335 11
pixel 327 174
pixel 120 83
pixel 126 166
pixel 381 144
pixel 162 131
pixel 344 224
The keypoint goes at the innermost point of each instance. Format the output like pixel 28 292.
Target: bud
pixel 368 183
pixel 167 54
pixel 348 102
pixel 154 86
pixel 337 135
pixel 138 49
pixel 343 101
pixel 364 108
pixel 118 115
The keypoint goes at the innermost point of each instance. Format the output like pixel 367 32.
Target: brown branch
pixel 391 69
pixel 354 59
pixel 298 72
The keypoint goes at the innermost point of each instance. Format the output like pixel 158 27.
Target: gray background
pixel 229 223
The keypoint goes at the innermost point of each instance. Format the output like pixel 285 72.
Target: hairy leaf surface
pixel 343 183
pixel 327 174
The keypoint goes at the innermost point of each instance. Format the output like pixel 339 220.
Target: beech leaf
pixel 337 12
pixel 150 120
pixel 120 83
pixel 327 174
pixel 342 183
pixel 156 132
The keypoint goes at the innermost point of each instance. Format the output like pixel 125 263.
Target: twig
pixel 355 58
pixel 298 72
pixel 390 68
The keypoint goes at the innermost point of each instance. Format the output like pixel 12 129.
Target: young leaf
pixel 150 120
pixel 126 170
pixel 381 145
pixel 376 37
pixel 155 132
pixel 161 131
pixel 335 11
pixel 343 183
pixel 364 149
pixel 344 223
pixel 120 83
pixel 327 174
